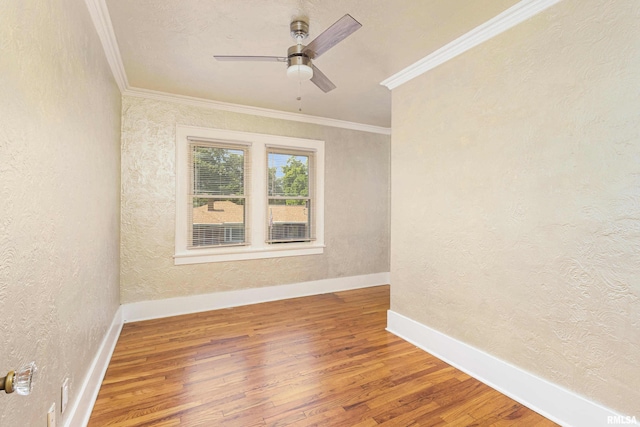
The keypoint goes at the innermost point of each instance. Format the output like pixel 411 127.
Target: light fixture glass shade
pixel 299 72
pixel 23 379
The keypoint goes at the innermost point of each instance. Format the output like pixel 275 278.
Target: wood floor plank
pixel 324 360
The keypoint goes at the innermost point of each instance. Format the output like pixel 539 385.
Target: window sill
pixel 200 256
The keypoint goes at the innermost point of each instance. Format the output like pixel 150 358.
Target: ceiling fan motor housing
pixel 295 56
pixel 297 60
pixel 298 63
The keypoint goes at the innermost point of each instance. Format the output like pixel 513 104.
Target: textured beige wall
pixel 516 198
pixel 356 205
pixel 59 199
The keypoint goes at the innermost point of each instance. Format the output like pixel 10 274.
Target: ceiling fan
pixel 299 57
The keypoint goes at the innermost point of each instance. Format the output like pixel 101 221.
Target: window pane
pixel 288 175
pixel 289 220
pixel 217 171
pixel 218 221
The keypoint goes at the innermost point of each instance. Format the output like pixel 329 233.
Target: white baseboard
pixel 154 309
pixel 80 409
pixel 552 401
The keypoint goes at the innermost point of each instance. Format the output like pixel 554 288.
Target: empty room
pixel 319 213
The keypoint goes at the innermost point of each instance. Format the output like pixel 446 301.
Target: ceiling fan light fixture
pixel 298 63
pixel 299 72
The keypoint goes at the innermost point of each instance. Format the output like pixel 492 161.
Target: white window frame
pixel 258 248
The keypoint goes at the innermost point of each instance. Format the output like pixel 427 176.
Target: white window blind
pixel 218 203
pixel 290 195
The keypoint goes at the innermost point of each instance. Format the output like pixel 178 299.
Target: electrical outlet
pixel 64 395
pixel 51 416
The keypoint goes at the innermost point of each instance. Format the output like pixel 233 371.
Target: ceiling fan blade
pixel 250 58
pixel 333 35
pixel 322 81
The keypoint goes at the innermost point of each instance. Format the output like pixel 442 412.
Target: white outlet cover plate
pixel 51 416
pixel 65 395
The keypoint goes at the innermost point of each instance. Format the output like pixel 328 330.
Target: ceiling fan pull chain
pixel 299 94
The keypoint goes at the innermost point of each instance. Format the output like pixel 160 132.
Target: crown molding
pixel 511 17
pixel 255 111
pixel 102 21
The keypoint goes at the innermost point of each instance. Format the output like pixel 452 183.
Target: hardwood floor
pixel 317 361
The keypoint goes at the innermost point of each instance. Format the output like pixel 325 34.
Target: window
pixel 245 196
pixel 289 196
pixel 217 202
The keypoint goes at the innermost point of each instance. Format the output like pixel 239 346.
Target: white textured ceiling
pixel 168 46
